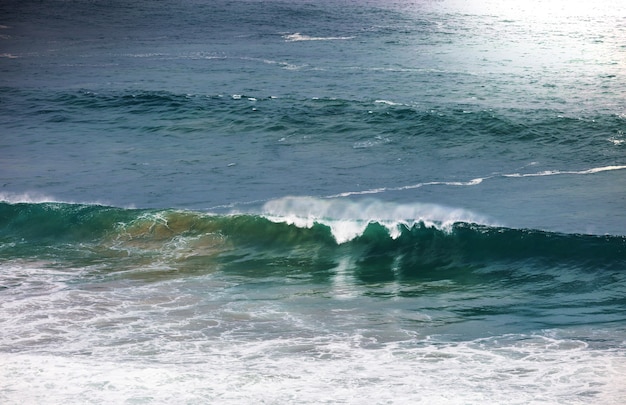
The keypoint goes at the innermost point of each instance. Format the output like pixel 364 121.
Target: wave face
pixel 305 288
pixel 402 237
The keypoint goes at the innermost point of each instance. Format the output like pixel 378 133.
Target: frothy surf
pixel 332 369
pixel 348 219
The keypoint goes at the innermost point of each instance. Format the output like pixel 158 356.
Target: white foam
pixel 349 219
pixel 387 102
pixel 599 169
pixel 203 340
pixel 145 55
pixel 472 182
pixel 329 369
pixel 295 37
pixel 37 198
pixel 31 198
pixel 284 65
pixel 478 180
pixel 561 172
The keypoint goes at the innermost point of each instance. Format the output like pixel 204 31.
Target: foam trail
pixel 39 198
pixel 295 37
pixel 559 172
pixel 472 182
pixel 387 102
pixel 479 180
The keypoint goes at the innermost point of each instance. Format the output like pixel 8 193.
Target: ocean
pixel 305 202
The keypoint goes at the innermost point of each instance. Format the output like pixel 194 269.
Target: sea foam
pixel 295 37
pixel 349 219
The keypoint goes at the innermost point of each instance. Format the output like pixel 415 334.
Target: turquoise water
pixel 312 202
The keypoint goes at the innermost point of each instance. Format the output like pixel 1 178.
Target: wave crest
pixel 348 220
pixel 293 234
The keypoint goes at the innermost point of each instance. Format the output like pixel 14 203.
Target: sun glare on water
pixel 541 9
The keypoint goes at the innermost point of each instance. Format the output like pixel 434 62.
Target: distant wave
pixel 345 218
pixel 559 172
pixel 472 182
pixel 300 37
pixel 387 102
pixel 282 64
pixel 479 180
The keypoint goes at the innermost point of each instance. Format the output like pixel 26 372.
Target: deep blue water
pixel 312 202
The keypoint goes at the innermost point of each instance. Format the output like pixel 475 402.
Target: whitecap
pixel 386 102
pixel 145 55
pixel 41 198
pixel 349 219
pixel 282 64
pixel 476 181
pixel 472 182
pixel 296 37
pixel 559 172
pixel 30 198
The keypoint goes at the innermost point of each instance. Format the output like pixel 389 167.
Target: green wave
pixel 93 233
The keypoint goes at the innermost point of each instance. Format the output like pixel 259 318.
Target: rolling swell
pixel 86 234
pixel 309 116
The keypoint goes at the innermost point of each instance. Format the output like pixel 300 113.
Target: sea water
pixel 312 202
